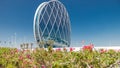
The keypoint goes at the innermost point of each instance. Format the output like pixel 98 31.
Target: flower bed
pixel 42 58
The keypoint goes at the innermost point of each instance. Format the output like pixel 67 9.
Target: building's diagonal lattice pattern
pixel 51 22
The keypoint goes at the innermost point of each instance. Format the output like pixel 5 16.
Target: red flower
pixel 88 47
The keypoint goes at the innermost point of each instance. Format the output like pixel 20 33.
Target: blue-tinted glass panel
pixel 42 25
pixel 49 10
pixel 52 19
pixel 55 27
pixel 46 17
pixel 45 34
pixel 55 11
pixel 49 26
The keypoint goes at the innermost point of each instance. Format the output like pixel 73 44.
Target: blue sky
pixel 95 21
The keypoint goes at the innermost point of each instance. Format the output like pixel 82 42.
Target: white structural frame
pixel 63 25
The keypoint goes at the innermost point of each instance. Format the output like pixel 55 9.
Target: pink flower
pixel 91 45
pixel 103 50
pixel 58 49
pixel 64 49
pixel 71 49
pixel 34 66
pixel 28 56
pixel 25 62
pixel 118 50
pixel 43 66
pixel 16 50
pixel 20 58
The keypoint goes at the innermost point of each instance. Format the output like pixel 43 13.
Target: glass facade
pixel 51 22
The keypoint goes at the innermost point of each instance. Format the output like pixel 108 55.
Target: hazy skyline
pixel 96 21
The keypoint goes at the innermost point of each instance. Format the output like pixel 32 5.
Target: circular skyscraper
pixel 52 22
